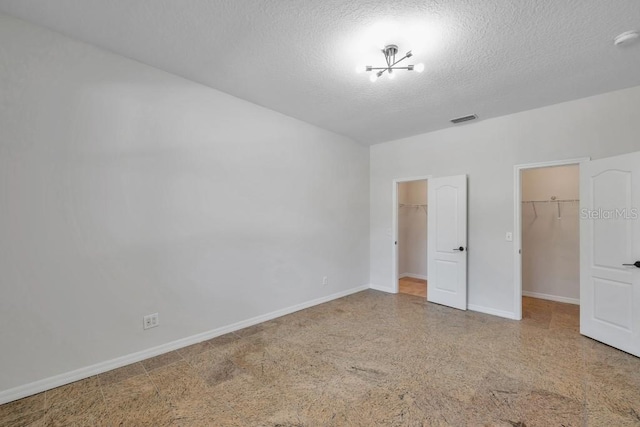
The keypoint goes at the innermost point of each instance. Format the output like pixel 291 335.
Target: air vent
pixel 464 119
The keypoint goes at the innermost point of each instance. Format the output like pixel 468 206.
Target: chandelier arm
pixel 386 68
pixel 401 59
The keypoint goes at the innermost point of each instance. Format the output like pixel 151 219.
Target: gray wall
pixel 126 191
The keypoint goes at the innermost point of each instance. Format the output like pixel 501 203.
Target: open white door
pixel 610 238
pixel 447 241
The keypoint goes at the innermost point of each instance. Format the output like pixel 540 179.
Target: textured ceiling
pixel 490 57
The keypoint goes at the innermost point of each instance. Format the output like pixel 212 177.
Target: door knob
pixel 461 249
pixel 635 264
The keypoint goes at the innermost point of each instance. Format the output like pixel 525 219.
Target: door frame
pixel 517 221
pixel 394 227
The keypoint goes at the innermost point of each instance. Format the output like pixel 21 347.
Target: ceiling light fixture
pixel 390 51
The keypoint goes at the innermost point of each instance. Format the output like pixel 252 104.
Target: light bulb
pixel 392 75
pixel 419 67
pixel 361 68
pixel 373 77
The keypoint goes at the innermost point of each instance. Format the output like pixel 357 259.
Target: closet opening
pixel 550 246
pixel 411 242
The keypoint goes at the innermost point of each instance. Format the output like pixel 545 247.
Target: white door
pixel 610 238
pixel 447 241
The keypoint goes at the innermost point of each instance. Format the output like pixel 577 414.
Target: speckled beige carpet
pixel 370 359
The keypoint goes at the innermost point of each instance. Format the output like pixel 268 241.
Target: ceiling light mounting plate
pixel 390 50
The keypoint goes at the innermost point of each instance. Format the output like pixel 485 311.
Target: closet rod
pixel 557 201
pixel 405 205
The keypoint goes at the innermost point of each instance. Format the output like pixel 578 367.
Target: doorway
pixel 547 239
pixel 445 215
pixel 551 246
pixel 412 237
pixel 410 197
pixel 608 253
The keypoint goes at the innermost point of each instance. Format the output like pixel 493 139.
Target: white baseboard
pixel 556 298
pixel 492 311
pixel 382 289
pixel 413 276
pixel 86 372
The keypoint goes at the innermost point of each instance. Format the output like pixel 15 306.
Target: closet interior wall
pixel 550 233
pixel 412 229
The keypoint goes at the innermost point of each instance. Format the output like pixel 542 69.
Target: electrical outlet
pixel 509 236
pixel 150 321
pixel 325 280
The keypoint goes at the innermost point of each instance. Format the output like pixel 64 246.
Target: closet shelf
pixel 557 201
pixel 552 201
pixel 408 205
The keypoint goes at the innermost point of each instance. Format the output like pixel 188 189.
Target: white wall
pixel 599 126
pixel 551 242
pixel 412 229
pixel 125 191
